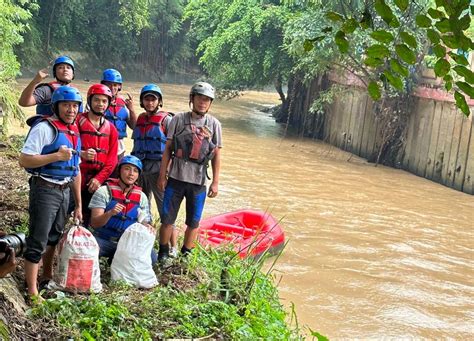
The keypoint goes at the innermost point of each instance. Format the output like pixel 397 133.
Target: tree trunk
pixel 50 23
pixel 279 88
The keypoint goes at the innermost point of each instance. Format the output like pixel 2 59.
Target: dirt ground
pixel 14 217
pixel 13 188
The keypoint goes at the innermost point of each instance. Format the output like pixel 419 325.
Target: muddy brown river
pixel 373 252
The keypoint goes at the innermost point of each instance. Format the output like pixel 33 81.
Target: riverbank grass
pixel 210 294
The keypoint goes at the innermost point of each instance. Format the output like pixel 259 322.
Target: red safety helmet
pixel 98 89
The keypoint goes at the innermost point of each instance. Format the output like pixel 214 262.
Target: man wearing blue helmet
pixel 149 141
pixel 119 204
pixel 51 155
pixel 120 111
pixel 39 94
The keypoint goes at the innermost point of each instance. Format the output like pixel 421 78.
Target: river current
pixel 373 252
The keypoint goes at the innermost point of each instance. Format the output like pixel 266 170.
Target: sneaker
pixel 173 252
pixel 165 262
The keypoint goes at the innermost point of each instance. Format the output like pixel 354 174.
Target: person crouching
pixel 117 205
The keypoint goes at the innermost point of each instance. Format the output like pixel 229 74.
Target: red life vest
pixel 118 223
pixel 149 136
pixel 97 139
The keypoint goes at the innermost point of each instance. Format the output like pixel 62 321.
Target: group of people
pixel 75 153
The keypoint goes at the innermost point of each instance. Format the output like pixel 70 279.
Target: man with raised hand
pixel 39 94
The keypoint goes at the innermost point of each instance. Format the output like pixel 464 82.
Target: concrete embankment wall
pixel 439 139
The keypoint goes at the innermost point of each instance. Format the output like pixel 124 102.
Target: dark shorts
pixel 148 181
pixel 175 192
pixel 48 212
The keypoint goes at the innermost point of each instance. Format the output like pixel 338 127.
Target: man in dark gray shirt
pixel 194 138
pixel 39 94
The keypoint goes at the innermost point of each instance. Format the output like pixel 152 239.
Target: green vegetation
pixel 382 43
pixel 13 20
pixel 245 44
pixel 240 43
pixel 211 293
pixel 126 34
pixel 366 40
pixel 400 31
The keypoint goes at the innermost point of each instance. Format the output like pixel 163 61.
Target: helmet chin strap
pixel 63 82
pixel 59 116
pixel 195 111
pixel 155 110
pixel 123 182
pixel 97 113
pixel 63 120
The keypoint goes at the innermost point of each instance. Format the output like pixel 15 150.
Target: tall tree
pixel 241 42
pixel 164 45
pixel 13 19
pixel 109 33
pixel 396 28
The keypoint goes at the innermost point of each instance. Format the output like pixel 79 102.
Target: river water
pixel 373 252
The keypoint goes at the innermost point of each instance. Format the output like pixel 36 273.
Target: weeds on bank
pixel 209 293
pixel 13 143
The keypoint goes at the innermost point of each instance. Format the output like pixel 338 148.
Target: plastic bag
pixel 132 260
pixel 78 262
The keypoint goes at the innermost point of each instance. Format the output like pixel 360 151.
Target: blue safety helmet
pixel 131 160
pixel 63 60
pixel 112 75
pixel 151 89
pixel 65 94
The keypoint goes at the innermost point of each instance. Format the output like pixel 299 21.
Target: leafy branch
pixel 399 31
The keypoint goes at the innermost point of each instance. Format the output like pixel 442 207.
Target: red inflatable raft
pixel 251 231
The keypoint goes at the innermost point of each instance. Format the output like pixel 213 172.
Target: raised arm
pixel 26 98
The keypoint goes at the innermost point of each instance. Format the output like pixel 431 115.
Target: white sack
pixel 132 260
pixel 78 262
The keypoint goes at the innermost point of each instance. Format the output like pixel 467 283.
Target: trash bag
pixel 78 262
pixel 132 260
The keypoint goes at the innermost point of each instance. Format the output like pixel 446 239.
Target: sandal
pixel 45 284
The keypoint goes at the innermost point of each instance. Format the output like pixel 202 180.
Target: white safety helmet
pixel 203 88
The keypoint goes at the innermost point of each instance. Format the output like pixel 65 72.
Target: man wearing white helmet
pixel 194 138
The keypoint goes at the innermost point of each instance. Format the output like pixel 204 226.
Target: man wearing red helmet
pixel 99 144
